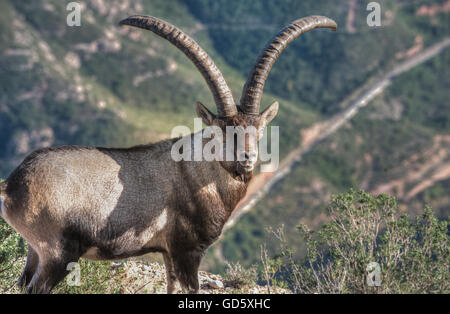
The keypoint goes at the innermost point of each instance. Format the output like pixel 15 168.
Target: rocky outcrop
pixel 143 278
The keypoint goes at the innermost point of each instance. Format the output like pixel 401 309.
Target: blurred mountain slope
pixel 380 150
pixel 100 84
pixel 392 143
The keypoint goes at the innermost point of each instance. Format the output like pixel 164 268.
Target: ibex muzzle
pixel 105 204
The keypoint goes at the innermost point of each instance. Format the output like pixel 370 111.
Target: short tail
pixel 2 199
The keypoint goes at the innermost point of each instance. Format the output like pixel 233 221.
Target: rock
pixel 215 284
pixel 116 264
pixel 139 277
pixel 72 60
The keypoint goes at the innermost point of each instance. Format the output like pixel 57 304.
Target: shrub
pixel 12 257
pixel 238 277
pixel 96 278
pixel 365 233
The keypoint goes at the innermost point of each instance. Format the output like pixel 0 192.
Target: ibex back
pixel 104 204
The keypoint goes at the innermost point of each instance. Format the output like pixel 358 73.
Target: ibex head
pixel 246 116
pixel 247 130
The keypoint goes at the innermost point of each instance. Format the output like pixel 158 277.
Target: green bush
pixel 12 256
pixel 96 278
pixel 238 277
pixel 413 255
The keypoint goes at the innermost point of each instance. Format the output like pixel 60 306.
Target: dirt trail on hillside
pixel 420 175
pixel 350 26
pixel 432 10
pixel 312 136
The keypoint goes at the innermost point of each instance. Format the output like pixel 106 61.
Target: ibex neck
pixel 231 168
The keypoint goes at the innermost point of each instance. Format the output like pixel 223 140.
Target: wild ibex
pixel 104 204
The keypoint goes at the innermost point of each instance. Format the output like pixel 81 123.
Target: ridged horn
pixel 211 73
pixel 253 89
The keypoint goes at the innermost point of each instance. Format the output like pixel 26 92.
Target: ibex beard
pixel 106 204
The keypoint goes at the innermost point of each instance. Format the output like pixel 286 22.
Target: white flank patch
pixel 161 221
pixel 159 224
pixel 147 237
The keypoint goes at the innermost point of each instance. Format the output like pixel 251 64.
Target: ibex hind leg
pixel 30 267
pixel 51 270
pixel 186 269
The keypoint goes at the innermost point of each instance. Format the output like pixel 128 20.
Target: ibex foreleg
pixel 186 269
pixel 173 284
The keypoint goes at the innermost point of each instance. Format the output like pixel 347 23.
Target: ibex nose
pixel 251 156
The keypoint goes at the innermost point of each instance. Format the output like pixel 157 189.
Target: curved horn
pixel 214 78
pixel 253 89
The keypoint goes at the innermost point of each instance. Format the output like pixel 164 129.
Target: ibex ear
pixel 202 112
pixel 270 113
